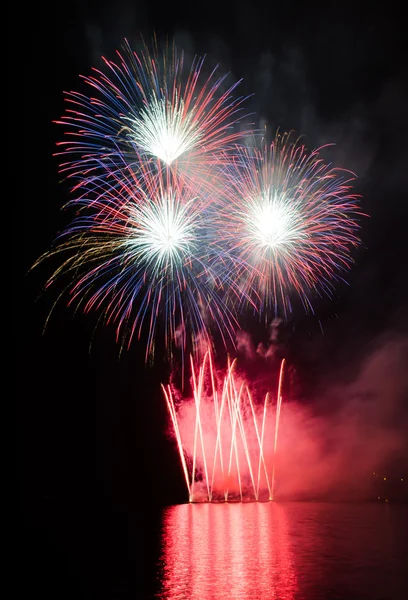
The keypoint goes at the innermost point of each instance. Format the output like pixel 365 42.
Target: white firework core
pixel 164 231
pixel 271 222
pixel 165 130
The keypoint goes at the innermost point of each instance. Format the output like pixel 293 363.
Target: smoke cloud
pixel 338 445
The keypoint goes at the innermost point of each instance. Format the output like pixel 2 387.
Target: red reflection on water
pixel 219 551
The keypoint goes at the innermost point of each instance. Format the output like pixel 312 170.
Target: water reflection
pixel 302 551
pixel 214 551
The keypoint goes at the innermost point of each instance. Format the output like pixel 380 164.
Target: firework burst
pixel 149 106
pixel 289 223
pixel 177 226
pixel 143 256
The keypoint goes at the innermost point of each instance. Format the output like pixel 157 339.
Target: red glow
pixel 223 551
pixel 227 442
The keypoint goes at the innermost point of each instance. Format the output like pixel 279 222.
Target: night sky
pixel 91 426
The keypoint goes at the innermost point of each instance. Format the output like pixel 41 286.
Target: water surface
pixel 265 551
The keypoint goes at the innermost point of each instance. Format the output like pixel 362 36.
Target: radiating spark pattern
pixel 179 228
pixel 289 223
pixel 165 231
pixel 164 130
pixel 226 443
pixel 149 104
pixel 143 257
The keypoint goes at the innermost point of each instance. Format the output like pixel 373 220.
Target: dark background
pixel 94 462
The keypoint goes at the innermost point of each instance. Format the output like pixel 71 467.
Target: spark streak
pixel 150 105
pixel 289 223
pixel 233 428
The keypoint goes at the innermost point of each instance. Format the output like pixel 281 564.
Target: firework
pixel 140 251
pixel 178 227
pixel 138 149
pixel 224 437
pixel 149 106
pixel 289 223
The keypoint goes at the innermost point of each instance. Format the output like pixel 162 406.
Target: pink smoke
pixel 328 446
